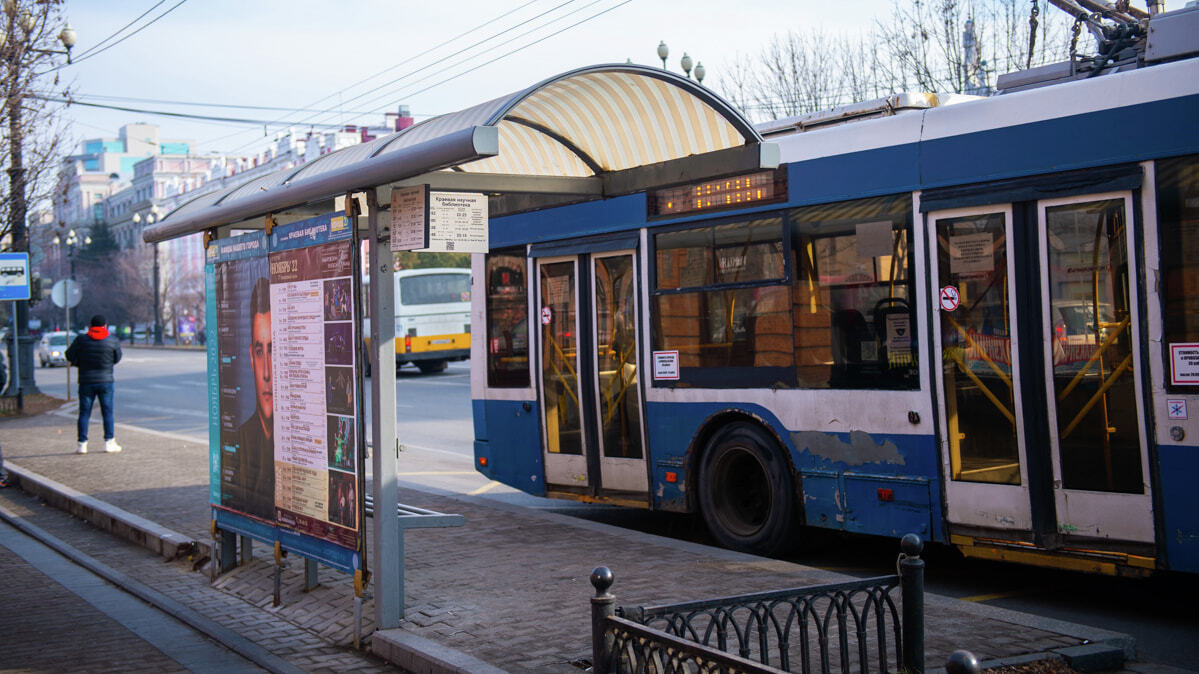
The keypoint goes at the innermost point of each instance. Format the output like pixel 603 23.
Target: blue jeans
pixel 87 395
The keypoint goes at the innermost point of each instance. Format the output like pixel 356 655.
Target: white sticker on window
pixel 666 365
pixel 1184 364
pixel 971 253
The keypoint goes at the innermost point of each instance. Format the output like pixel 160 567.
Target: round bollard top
pixel 911 545
pixel 601 579
pixel 962 662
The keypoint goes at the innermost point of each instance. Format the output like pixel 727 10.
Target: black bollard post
pixel 603 606
pixel 962 662
pixel 911 582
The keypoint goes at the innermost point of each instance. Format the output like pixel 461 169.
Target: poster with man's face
pixel 246 400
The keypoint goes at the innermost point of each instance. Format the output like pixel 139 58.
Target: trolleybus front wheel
pixel 746 491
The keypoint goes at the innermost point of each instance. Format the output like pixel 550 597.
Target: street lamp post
pixel 150 218
pixel 685 63
pixel 15 47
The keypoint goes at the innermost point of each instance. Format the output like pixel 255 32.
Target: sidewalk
pixel 509 589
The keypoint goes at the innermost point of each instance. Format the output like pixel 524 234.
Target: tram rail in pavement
pixel 508 590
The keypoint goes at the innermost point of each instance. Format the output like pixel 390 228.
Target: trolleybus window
pixel 722 301
pixel 434 289
pixel 853 322
pixel 507 320
pixel 1178 229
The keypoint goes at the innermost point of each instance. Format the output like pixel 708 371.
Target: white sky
pixel 292 53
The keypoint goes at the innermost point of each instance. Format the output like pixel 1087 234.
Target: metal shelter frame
pixel 590 133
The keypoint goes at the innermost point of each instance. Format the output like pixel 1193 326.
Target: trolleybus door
pixel 591 411
pixel 564 442
pixel 1093 361
pixel 976 335
pixel 616 366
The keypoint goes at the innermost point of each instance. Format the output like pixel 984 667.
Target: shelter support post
pixel 385 530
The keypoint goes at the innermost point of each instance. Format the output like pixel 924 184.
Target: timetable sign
pixel 410 218
pixel 457 223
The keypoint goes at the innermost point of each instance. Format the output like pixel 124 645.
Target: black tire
pixel 431 366
pixel 746 491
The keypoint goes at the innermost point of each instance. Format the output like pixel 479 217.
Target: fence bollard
pixel 603 606
pixel 911 582
pixel 962 662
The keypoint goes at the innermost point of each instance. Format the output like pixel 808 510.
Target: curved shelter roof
pixel 597 131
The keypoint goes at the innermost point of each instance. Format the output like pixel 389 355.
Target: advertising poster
pixel 315 388
pixel 243 461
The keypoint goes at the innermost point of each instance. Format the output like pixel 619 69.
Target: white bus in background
pixel 432 317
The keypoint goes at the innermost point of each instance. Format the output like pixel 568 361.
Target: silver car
pixel 52 349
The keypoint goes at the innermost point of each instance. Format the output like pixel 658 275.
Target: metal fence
pixel 855 626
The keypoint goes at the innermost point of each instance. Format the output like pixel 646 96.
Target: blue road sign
pixel 14 276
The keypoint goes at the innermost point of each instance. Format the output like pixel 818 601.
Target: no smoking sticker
pixel 950 298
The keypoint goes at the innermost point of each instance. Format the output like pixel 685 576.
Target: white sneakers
pixel 110 446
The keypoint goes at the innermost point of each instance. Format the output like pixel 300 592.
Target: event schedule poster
pixel 242 475
pixel 316 396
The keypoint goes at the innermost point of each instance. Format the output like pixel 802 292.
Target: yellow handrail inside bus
pixel 557 371
pixel 981 352
pixel 1107 343
pixel 956 354
pixel 1124 365
pixel 625 383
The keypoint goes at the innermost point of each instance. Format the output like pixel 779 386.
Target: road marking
pixel 202 439
pixel 168 411
pixel 997 595
pixel 485 488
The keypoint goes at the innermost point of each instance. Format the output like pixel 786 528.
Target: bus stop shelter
pixel 592 133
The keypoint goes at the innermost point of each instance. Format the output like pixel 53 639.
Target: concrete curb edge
pixel 230 639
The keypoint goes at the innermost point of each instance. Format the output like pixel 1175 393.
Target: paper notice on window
pixel 971 253
pixel 875 239
pixel 666 365
pixel 899 335
pixel 1184 364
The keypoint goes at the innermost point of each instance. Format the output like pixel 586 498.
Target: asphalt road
pixel 165 390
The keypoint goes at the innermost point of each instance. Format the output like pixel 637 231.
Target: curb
pixel 123 524
pixel 412 652
pixel 422 656
pixel 226 637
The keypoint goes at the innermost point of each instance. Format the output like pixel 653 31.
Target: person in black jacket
pixel 94 354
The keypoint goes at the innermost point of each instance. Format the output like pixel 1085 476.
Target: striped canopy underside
pixel 618 120
pixel 578 125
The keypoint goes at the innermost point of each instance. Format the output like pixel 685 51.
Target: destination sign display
pixel 762 187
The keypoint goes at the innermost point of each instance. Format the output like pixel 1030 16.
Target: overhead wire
pixel 518 49
pixel 120 30
pixel 413 58
pixel 163 113
pixel 144 26
pixel 80 97
pixel 476 55
pixel 410 73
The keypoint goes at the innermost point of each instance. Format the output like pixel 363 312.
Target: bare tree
pixel 29 36
pixel 936 46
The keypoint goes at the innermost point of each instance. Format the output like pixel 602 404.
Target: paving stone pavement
pixel 509 588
